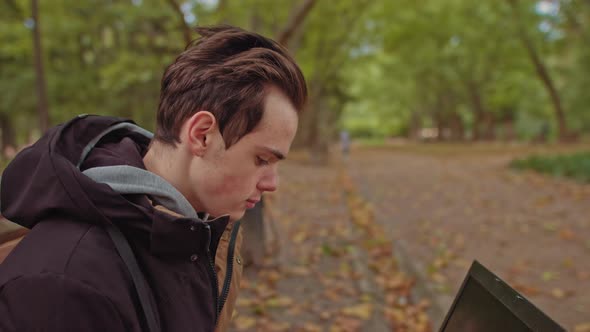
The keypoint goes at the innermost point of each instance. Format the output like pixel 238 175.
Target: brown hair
pixel 226 72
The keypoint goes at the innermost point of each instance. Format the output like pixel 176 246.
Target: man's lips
pixel 251 202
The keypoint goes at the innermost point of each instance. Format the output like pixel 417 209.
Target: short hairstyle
pixel 227 71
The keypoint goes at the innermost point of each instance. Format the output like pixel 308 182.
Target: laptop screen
pixel 477 310
pixel 485 303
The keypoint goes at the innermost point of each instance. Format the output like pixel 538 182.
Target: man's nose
pixel 269 181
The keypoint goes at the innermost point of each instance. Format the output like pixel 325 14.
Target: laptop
pixel 487 304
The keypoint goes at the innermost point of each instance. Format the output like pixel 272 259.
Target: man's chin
pixel 236 216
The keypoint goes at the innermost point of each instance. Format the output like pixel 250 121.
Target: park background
pixel 470 132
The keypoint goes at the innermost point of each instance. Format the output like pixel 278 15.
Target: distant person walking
pixel 345 144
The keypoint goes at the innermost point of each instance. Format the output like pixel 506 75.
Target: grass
pixel 371 141
pixel 575 165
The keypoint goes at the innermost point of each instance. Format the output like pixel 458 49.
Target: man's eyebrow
pixel 278 154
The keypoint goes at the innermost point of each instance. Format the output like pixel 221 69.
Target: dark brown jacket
pixel 66 274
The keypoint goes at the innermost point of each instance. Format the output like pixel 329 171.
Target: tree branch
pixel 186 30
pixel 541 71
pixel 295 21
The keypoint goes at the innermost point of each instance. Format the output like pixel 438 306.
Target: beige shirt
pixel 226 314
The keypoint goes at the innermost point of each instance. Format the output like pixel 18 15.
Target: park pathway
pixel 443 209
pixel 330 268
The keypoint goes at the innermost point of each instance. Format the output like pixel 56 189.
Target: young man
pixel 134 233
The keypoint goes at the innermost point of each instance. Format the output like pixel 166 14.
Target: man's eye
pixel 261 161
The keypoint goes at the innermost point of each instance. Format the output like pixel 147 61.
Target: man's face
pixel 229 181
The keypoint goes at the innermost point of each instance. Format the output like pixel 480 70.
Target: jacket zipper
pixel 213 274
pixel 230 266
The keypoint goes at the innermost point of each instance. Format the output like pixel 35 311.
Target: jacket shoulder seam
pixel 73 250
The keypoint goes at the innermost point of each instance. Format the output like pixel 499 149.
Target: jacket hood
pixel 44 180
pixel 89 169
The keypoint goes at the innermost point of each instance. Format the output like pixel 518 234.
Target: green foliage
pixel 433 57
pixel 576 166
pixel 376 68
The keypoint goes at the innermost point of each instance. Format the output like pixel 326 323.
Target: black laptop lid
pixel 487 304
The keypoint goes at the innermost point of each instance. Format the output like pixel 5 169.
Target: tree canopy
pixel 468 70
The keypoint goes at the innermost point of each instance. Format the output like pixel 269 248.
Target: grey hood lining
pixel 126 179
pixel 123 125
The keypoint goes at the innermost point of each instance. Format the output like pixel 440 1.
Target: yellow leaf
pixel 438 278
pixel 558 293
pixel 244 322
pixel 548 276
pixel 396 315
pixel 299 237
pixel 244 302
pixel 281 301
pixel 584 327
pixel 362 311
pixel 311 327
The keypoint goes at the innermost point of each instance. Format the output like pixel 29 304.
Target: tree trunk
pixel 489 131
pixel 415 125
pixel 478 110
pixel 319 137
pixel 542 73
pixel 456 127
pixel 306 131
pixel 42 104
pixel 509 132
pixel 8 135
pixel 186 30
pixel 294 22
pixel 254 246
pixel 438 117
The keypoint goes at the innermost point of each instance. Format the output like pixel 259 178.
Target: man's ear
pixel 200 128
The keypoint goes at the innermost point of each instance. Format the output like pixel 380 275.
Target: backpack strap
pixel 141 286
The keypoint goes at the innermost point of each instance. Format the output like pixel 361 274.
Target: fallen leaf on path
pixel 550 226
pixel 438 278
pixel 543 201
pixel 245 302
pixel 395 314
pixel 296 310
pixel 244 322
pixel 566 234
pixel 311 327
pixel 346 324
pixel 333 295
pixel 270 275
pixel 548 276
pixel 325 315
pixel 424 304
pixel 281 301
pixel 299 271
pixel 273 326
pixel 362 311
pixel 558 293
pixel 584 327
pixel 299 237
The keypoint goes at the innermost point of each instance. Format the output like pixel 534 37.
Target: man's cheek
pixel 229 184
